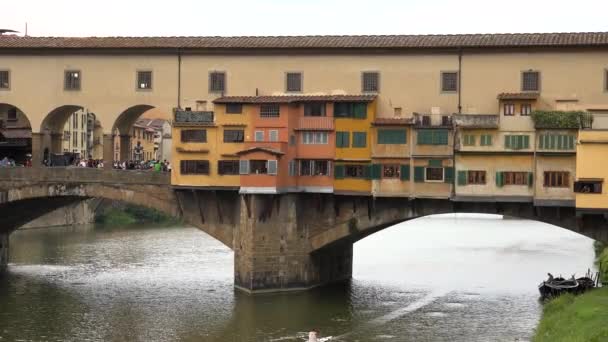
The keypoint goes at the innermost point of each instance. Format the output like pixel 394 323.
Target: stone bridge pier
pixel 3 251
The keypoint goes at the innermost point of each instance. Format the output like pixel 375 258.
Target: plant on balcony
pixel 560 119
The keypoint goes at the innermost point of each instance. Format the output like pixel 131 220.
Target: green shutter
pixel 339 172
pixel 552 141
pixel 448 175
pixel 560 142
pixel 507 141
pixel 391 136
pixel 360 110
pixel 376 171
pixel 419 174
pixel 530 179
pixel 541 142
pixel 367 171
pixel 526 141
pixel 435 163
pixel 571 142
pixel 405 172
pixel 462 177
pixel 421 137
pixel 499 179
pixel 359 139
pixel 440 137
pixel 342 139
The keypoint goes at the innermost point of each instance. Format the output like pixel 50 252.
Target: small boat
pixel 554 287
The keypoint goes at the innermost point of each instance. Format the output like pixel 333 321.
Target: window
pixel 293 82
pixel 515 178
pixel 194 135
pixel 74 139
pixel 234 135
pixel 310 138
pixel 258 167
pixel 556 141
pixel 292 168
pixel 306 167
pixel 75 121
pixel 11 114
pixel 392 136
pixel 259 135
pixel 476 177
pixel 370 81
pixel 469 140
pixel 83 139
pixel 359 139
pixel 446 120
pixel 354 171
pixel 433 174
pixel 530 81
pixel 5 79
pixel 605 80
pixel 314 109
pixel 272 167
pixel 517 142
pixel 426 120
pixel 509 109
pixel 588 186
pixel 485 140
pixel 273 135
pixel 72 80
pixel 270 110
pixel 449 81
pixel 356 110
pixel 228 167
pixel 194 167
pixel 314 168
pixel 556 179
pixel 292 140
pixel 525 109
pixel 342 139
pixel 234 108
pixel 391 171
pixel 217 82
pixel 432 137
pixel 66 135
pixel 144 80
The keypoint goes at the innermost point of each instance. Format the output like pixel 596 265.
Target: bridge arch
pixel 15 133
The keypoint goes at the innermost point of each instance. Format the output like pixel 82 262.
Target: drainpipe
pixel 459 80
pixel 179 78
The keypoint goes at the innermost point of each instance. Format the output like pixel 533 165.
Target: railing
pixel 183 117
pixel 586 120
pixel 432 120
pixel 476 120
pixel 316 123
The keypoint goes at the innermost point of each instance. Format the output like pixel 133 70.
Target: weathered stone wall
pixel 3 251
pixel 73 214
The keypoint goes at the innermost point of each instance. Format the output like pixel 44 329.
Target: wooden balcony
pixel 316 123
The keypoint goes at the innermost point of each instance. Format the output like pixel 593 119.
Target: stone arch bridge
pixel 281 242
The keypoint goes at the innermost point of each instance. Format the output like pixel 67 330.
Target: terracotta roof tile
pixel 260 149
pixel 518 96
pixel 393 121
pixel 295 98
pixel 313 42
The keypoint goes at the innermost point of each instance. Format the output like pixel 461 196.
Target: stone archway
pixel 15 134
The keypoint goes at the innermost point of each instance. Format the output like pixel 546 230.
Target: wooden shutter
pixel 360 110
pixel 499 179
pixel 507 141
pixel 525 141
pixel 448 175
pixel 244 167
pixel 435 162
pixel 405 172
pixel 530 179
pixel 419 174
pixel 462 177
pixel 376 170
pixel 367 171
pixel 339 172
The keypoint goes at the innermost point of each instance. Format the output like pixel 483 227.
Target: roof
pixel 562 39
pixel 295 98
pixel 518 96
pixel 261 149
pixel 393 121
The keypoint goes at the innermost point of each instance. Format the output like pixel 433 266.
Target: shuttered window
pixel 556 142
pixel 449 81
pixel 293 81
pixel 517 142
pixel 355 110
pixel 471 177
pixel 514 178
pixel 433 174
pixel 273 135
pixel 432 137
pixel 342 139
pixel 509 109
pixel 359 139
pixel 234 135
pixel 194 135
pixel 370 81
pixel 530 81
pixel 217 82
pixel 392 136
pixel 485 140
pixel 405 172
pixel 5 80
pixel 194 167
pixel 469 140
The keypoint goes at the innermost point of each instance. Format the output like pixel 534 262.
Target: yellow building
pixel 592 170
pixel 391 142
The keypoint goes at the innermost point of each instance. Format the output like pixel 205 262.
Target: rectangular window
pixel 194 135
pixel 449 81
pixel 273 135
pixel 355 110
pixel 272 167
pixel 5 79
pixel 556 142
pixel 259 135
pixel 359 139
pixel 426 120
pixel 509 109
pixel 354 171
pixel 194 167
pixel 228 167
pixel 433 174
pixel 314 167
pixel 391 171
pixel 217 82
pixel 515 178
pixel 432 137
pixel 243 167
pixel 75 121
pixel 342 139
pixel 530 81
pixel 292 168
pixel 75 140
pixel 234 108
pixel 234 135
pixel 270 110
pixel 144 80
pixel 314 109
pixel 66 135
pixel 485 140
pixel 258 167
pixel 392 136
pixel 517 142
pixel 556 179
pixel 606 80
pixel 315 138
pixel 469 140
pixel 72 80
pixel 476 177
pixel 306 167
pixel 292 140
pixel 370 81
pixel 526 109
pixel 588 186
pixel 293 81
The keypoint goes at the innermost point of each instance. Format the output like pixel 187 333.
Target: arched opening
pixel 142 133
pixel 15 136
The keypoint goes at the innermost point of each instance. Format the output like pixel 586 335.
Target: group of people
pixel 155 165
pixel 92 163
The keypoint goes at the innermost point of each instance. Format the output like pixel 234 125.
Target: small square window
pixel 5 79
pixel 434 174
pixel 144 80
pixel 509 109
pixel 530 81
pixel 259 135
pixel 234 108
pixel 73 80
pixel 449 81
pixel 371 81
pixel 273 135
pixel 270 110
pixel 217 82
pixel 293 81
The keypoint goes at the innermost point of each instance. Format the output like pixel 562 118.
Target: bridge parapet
pixel 82 175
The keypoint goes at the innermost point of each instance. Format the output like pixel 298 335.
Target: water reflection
pixel 440 279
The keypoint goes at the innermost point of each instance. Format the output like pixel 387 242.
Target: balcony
pixel 193 118
pixel 316 123
pixel 432 120
pixel 476 120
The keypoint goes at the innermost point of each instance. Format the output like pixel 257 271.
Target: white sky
pixel 291 17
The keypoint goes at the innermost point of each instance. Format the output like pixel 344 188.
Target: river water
pixel 445 278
